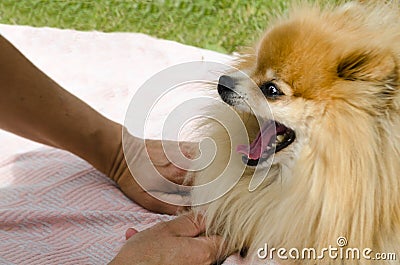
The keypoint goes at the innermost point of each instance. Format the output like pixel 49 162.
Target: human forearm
pixel 34 106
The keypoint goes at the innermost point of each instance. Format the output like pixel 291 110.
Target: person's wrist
pixel 107 143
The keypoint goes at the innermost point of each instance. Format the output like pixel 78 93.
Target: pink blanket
pixel 54 207
pixel 57 209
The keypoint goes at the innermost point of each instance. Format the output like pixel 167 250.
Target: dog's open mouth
pixel 272 138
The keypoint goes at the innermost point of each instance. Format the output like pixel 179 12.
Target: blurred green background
pixel 220 25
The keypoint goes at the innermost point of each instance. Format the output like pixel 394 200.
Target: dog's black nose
pixel 225 84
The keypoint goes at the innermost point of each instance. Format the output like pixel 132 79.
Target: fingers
pixel 173 165
pixel 163 152
pixel 212 248
pixel 177 242
pixel 130 232
pixel 178 198
pixel 155 205
pixel 135 192
pixel 156 153
pixel 190 149
pixel 187 225
pixel 172 173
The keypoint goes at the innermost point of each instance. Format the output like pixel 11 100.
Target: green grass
pixel 221 25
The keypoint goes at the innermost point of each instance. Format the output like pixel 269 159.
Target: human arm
pixel 32 105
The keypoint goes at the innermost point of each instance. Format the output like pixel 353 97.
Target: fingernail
pixel 130 232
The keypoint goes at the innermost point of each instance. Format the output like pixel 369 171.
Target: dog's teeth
pixel 280 138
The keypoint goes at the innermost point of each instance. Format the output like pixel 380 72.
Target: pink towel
pixel 57 209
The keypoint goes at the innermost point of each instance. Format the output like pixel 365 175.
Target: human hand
pixel 59 119
pixel 174 242
pixel 147 161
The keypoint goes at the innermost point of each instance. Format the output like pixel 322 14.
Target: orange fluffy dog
pixel 331 76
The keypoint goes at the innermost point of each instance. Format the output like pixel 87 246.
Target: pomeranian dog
pixel 331 76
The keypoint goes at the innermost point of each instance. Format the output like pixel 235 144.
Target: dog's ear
pixel 378 66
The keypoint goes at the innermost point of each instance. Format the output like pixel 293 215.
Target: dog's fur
pixel 339 68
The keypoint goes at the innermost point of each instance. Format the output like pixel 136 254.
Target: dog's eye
pixel 271 91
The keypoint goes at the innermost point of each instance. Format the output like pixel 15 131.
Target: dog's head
pixel 331 77
pixel 326 76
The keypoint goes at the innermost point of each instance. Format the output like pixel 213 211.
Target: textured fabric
pixel 54 207
pixel 57 209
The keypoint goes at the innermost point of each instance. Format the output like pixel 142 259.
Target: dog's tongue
pixel 259 145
